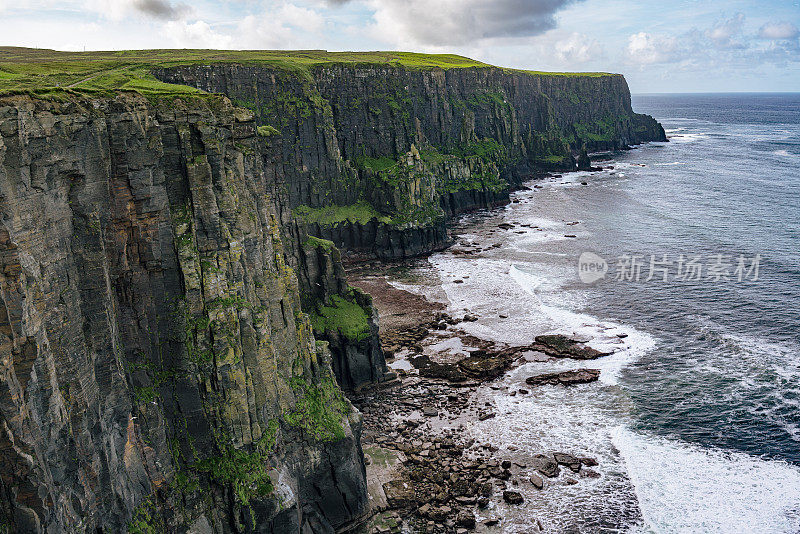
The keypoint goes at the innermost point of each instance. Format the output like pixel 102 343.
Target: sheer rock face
pixel 327 123
pixel 152 340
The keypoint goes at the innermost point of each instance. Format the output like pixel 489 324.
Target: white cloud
pixel 577 48
pixel 198 34
pixel 778 31
pixel 300 17
pixel 645 49
pixel 282 26
pixel 725 34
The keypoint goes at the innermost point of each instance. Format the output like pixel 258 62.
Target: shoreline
pixel 425 469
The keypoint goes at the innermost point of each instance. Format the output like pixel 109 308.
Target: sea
pixel 690 251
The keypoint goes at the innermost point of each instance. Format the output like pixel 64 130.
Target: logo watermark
pixel 669 268
pixel 591 267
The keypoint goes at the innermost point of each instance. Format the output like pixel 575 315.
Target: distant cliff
pixel 376 158
pixel 176 329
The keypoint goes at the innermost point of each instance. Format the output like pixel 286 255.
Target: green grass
pixel 343 316
pixel 244 471
pixel 361 212
pixel 376 164
pixel 319 410
pixel 266 131
pixel 599 130
pixel 316 242
pixel 553 159
pixel 48 72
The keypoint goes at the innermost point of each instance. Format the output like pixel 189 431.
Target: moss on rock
pixel 320 409
pixel 342 316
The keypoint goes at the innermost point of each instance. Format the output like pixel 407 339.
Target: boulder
pixel 546 465
pixel 561 346
pixel 483 366
pixel 431 369
pixel 513 497
pixel 398 493
pixel 567 460
pixel 465 519
pixel 565 378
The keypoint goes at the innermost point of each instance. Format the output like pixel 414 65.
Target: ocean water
pixel 696 418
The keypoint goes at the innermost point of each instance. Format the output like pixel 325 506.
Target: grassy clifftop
pixel 50 72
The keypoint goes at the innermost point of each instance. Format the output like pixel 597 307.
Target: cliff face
pixel 377 157
pixel 157 370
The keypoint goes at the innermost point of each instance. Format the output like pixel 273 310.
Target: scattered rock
pixel 567 460
pixel 482 366
pixel 465 519
pixel 566 378
pixel 429 411
pixel 561 346
pixel 589 473
pixel 513 497
pixel 546 465
pixel 587 461
pixel 537 481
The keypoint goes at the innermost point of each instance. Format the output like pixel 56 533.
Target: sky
pixel 660 46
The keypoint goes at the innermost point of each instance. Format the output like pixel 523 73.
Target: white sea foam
pixel 604 334
pixel 683 488
pixel 784 153
pixel 416 289
pixel 686 137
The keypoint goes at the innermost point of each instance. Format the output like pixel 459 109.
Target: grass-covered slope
pixel 50 72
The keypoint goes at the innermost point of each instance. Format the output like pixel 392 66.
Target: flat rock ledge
pixel 565 378
pixel 561 346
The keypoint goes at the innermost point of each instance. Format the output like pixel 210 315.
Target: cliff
pixel 176 325
pixel 158 372
pixel 376 158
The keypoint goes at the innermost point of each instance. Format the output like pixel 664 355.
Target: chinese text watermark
pixel 670 268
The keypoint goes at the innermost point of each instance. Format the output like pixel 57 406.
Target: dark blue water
pixel 727 370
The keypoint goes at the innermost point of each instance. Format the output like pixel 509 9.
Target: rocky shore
pixel 424 469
